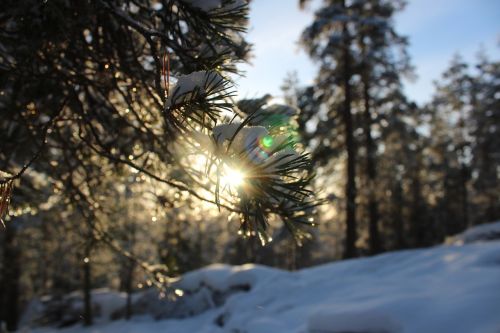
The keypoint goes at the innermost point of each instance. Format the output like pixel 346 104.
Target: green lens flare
pixel 267 141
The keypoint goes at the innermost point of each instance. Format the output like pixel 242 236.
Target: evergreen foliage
pixel 109 99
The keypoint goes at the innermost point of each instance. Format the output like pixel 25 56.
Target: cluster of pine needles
pixel 6 187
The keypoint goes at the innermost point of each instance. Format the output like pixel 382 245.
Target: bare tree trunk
pixel 128 289
pixel 9 280
pixel 416 217
pixel 374 234
pixel 129 268
pixel 464 196
pixel 350 190
pixel 87 286
pixel 398 205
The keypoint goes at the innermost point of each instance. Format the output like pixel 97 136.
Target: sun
pixel 232 177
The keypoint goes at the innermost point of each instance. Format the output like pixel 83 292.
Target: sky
pixel 437 30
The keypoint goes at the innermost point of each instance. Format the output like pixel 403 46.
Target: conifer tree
pixel 95 92
pixel 450 110
pixel 362 58
pixel 380 73
pixel 484 130
pixel 113 102
pixel 329 40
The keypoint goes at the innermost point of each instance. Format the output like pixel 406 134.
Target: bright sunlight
pixel 232 177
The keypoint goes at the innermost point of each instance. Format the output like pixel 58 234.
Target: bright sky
pixel 437 29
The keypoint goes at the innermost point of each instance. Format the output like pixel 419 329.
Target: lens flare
pixel 267 141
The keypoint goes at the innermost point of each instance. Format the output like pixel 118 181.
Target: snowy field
pixel 452 288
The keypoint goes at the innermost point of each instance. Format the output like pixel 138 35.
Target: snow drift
pixel 453 288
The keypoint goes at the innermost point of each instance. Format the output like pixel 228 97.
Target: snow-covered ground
pixel 451 288
pixel 483 232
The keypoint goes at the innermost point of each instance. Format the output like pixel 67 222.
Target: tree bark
pixel 9 280
pixel 87 287
pixel 371 167
pixel 350 250
pixel 128 289
pixel 398 204
pixel 416 218
pixel 464 196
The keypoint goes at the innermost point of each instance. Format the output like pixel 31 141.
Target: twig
pixel 48 125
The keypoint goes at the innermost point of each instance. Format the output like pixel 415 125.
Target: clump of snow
pixel 483 232
pixel 242 137
pixel 225 132
pixel 261 147
pixel 214 276
pixel 222 277
pixel 193 84
pixel 281 159
pixel 200 291
pixel 441 289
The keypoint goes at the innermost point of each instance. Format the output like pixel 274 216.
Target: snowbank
pixel 443 289
pixel 66 310
pixel 480 233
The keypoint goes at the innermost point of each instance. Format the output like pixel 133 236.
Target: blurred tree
pixel 383 59
pixel 450 109
pixel 362 58
pixel 329 40
pixel 485 150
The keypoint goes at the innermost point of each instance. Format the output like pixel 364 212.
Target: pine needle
pixel 5 195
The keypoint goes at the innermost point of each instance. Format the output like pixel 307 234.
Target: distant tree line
pixel 411 175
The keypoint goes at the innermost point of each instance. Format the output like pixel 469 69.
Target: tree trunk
pixel 128 288
pixel 350 189
pixel 129 267
pixel 398 204
pixel 87 287
pixel 9 280
pixel 464 196
pixel 416 221
pixel 291 246
pixel 371 171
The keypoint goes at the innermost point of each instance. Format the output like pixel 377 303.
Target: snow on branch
pixel 195 85
pixel 272 176
pixel 200 97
